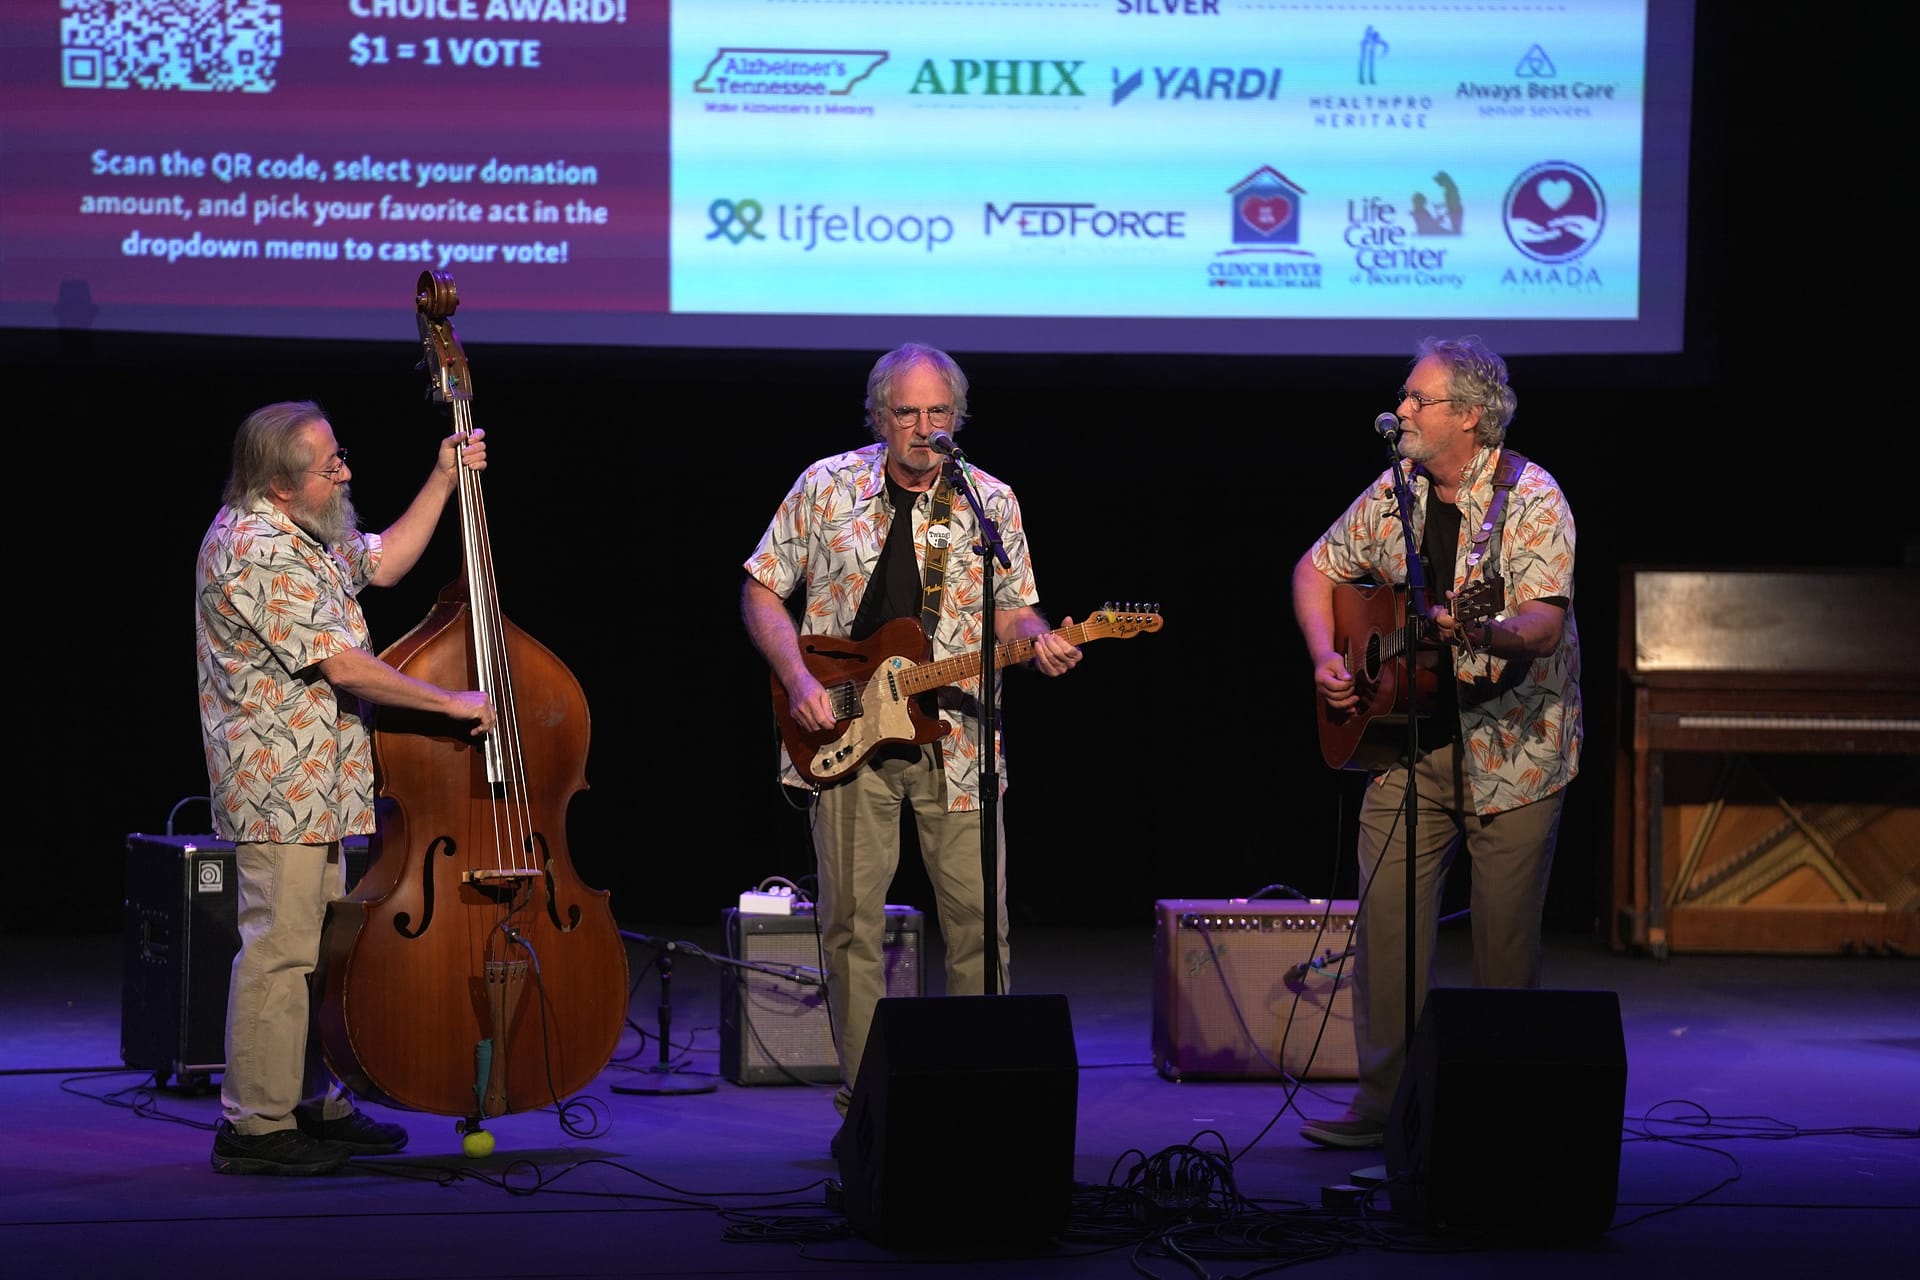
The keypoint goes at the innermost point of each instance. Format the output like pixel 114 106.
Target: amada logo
pixel 811 226
pixel 1554 212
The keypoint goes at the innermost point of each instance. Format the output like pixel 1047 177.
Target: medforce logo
pixel 1057 219
pixel 1554 212
pixel 1231 84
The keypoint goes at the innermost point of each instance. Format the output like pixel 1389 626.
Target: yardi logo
pixel 1201 84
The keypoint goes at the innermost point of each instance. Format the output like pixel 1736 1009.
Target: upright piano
pixel 1767 788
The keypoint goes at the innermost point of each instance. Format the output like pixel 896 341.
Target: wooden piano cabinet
pixel 1767 780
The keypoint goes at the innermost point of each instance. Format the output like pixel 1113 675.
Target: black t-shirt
pixel 895 588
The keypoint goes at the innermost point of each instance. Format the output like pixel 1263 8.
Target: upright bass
pixel 470 972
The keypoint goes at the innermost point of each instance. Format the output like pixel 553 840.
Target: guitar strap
pixel 939 532
pixel 1486 538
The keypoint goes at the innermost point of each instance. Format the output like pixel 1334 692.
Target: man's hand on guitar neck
pixel 1053 654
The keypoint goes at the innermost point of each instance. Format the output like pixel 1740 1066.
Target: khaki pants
pixel 1511 853
pixel 856 839
pixel 273 1065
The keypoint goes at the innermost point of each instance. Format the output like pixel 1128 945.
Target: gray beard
pixel 334 522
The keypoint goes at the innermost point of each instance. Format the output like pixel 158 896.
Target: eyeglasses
pixel 1423 401
pixel 333 472
pixel 938 416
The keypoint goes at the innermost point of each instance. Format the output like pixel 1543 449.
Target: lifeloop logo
pixel 811 226
pixel 1554 212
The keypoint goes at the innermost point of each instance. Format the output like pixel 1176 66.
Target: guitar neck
pixel 938 675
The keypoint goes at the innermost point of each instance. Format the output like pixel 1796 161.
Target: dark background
pixel 629 485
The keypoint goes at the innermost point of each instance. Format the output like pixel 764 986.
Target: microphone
pixel 941 442
pixel 1387 425
pixel 1295 978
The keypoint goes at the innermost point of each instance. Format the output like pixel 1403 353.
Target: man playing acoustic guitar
pixel 878 534
pixel 1501 739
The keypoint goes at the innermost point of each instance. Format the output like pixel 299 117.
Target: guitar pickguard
pixel 882 716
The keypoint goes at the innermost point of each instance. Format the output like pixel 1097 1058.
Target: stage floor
pixel 1771 1109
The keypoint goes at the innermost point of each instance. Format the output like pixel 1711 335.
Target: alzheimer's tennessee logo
pixel 788 72
pixel 1554 212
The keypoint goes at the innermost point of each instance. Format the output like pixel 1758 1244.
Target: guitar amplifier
pixel 180 933
pixel 1253 989
pixel 774 1027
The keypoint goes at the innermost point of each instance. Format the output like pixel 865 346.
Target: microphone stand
pixel 991 549
pixel 662 1078
pixel 1415 623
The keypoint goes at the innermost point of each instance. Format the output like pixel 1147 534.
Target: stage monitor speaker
pixel 774 1025
pixel 1507 1119
pixel 961 1129
pixel 1253 989
pixel 180 932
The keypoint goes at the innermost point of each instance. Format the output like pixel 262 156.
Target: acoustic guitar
pixel 1370 631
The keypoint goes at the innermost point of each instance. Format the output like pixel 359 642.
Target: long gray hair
pixel 269 449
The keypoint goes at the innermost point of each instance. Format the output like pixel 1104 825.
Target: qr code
pixel 200 46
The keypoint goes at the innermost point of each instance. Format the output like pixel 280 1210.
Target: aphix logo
pixel 999 78
pixel 810 227
pixel 1201 84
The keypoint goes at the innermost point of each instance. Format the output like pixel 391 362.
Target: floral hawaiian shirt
pixel 1520 725
pixel 829 531
pixel 285 761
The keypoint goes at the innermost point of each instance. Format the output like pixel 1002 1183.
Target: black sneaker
pixel 357 1132
pixel 287 1152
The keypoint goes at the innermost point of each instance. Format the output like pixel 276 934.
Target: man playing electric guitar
pixel 878 534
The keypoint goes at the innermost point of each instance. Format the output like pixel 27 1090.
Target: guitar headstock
pixel 1481 598
pixel 1121 621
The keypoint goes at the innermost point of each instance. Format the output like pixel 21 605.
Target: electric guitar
pixel 1370 631
pixel 875 683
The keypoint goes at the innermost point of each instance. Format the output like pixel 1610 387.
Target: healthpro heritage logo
pixel 1264 210
pixel 820 226
pixel 1365 109
pixel 1554 212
